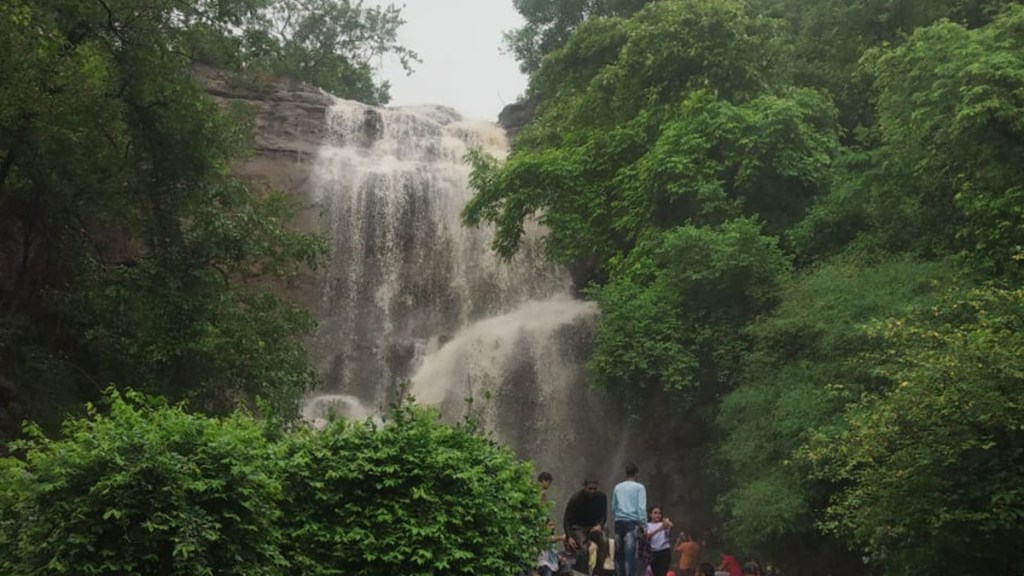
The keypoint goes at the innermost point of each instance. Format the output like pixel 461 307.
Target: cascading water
pixel 411 294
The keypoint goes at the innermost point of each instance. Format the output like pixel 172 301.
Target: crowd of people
pixel 642 544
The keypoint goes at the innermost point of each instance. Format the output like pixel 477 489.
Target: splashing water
pixel 479 354
pixel 320 408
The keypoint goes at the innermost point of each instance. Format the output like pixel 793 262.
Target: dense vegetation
pixel 141 487
pixel 802 220
pixel 803 223
pixel 133 258
pixel 130 255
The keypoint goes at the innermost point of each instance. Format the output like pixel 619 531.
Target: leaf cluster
pixel 949 424
pixel 692 161
pixel 140 487
pixel 549 25
pixel 331 44
pixel 130 253
pixel 413 496
pixel 143 489
pixel 810 358
pixel 869 154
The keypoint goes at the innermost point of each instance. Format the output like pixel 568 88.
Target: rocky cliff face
pixel 288 125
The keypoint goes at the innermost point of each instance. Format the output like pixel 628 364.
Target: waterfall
pixel 412 295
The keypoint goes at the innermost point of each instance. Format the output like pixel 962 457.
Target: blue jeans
pixel 625 547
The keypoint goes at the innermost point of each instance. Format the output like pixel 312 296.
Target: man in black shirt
pixel 584 519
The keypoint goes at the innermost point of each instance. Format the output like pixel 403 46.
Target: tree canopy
pixel 130 252
pixel 801 222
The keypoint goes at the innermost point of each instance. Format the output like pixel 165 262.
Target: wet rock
pixel 518 114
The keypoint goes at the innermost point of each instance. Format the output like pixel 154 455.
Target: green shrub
pixel 149 489
pixel 143 489
pixel 411 496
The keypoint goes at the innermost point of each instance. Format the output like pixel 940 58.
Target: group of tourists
pixel 642 545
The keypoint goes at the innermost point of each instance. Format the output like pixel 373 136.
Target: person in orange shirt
pixel 688 550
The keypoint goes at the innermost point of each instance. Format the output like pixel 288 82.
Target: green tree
pixel 910 185
pixel 412 495
pixel 673 308
pixel 928 467
pixel 829 37
pixel 332 44
pixel 145 489
pixel 668 200
pixel 952 124
pixel 684 133
pixel 130 253
pixel 883 157
pixel 549 25
pixel 808 360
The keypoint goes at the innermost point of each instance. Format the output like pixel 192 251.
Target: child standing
pixel 657 535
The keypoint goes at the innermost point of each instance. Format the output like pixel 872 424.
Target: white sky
pixel 460 44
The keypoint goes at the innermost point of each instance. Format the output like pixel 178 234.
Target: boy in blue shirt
pixel 629 507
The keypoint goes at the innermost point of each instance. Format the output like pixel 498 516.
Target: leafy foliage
pixel 153 489
pixel 807 362
pixel 328 43
pixel 947 91
pixel 130 253
pixel 676 140
pixel 931 464
pixel 410 496
pixel 874 146
pixel 145 489
pixel 549 25
pixel 675 303
pixel 687 165
pixel 829 37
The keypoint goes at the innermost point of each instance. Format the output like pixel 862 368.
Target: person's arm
pixel 665 525
pixel 570 514
pixel 604 512
pixel 643 501
pixel 615 503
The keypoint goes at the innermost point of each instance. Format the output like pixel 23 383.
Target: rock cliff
pixel 518 114
pixel 287 128
pixel 288 125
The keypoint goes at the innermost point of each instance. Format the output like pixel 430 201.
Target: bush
pixel 145 489
pixel 151 489
pixel 411 496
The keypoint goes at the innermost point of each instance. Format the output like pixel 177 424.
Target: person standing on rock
pixel 583 521
pixel 629 506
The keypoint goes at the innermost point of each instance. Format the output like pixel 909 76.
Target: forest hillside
pixel 803 223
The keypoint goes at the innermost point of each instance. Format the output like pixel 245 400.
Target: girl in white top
pixel 657 534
